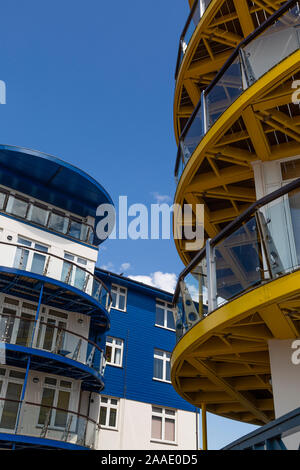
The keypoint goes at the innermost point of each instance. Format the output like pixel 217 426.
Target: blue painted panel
pixel 136 327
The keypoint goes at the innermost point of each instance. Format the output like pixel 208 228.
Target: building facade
pixel 236 118
pixel 139 407
pixel 53 308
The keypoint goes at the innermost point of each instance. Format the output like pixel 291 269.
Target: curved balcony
pixel 211 33
pixel 67 285
pixel 239 292
pixel 52 348
pixel 26 424
pixel 237 121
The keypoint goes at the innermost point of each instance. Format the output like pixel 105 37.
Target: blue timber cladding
pixel 136 326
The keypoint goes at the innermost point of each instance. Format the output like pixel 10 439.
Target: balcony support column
pixel 37 314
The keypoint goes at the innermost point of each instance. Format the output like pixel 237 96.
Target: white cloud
pixel 125 266
pixel 160 198
pixel 164 281
pixel 107 267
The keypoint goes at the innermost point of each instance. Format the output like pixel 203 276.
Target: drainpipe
pixel 204 427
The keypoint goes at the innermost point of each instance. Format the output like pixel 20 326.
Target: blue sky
pixel 92 82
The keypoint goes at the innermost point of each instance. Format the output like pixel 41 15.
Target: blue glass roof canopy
pixel 51 180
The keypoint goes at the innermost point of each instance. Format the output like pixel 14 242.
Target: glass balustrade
pixel 45 335
pixel 258 247
pixel 42 215
pixel 275 41
pixel 48 422
pixel 196 13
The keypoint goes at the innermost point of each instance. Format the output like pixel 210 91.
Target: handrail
pixel 46 253
pixel 230 228
pixel 259 30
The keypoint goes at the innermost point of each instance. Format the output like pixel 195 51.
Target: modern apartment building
pixel 236 118
pixel 53 308
pixel 139 407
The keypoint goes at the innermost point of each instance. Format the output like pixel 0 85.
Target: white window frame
pixel 57 388
pixel 165 306
pixel 164 415
pixel 109 406
pixel 114 346
pixel 165 360
pixel 115 288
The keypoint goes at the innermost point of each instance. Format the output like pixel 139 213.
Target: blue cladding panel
pixel 136 327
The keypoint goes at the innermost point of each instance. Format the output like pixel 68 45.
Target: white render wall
pixel 134 430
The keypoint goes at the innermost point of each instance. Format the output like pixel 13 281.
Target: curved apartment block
pixel 54 310
pixel 236 114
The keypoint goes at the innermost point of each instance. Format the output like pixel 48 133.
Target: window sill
pixel 118 309
pixel 114 365
pixel 107 428
pixel 165 328
pixel 162 381
pixel 167 443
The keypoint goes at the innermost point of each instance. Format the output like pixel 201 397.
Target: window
pixel 114 351
pixel 56 394
pixel 162 365
pixel 73 274
pixel 109 412
pixel 119 297
pixel 164 315
pixel 29 260
pixel 11 384
pixel 163 424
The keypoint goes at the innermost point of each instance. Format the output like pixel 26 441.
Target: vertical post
pixel 22 394
pixel 37 314
pixel 204 427
pixel 204 114
pixel 211 277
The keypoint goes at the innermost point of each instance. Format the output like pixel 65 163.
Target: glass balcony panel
pixel 25 330
pixel 2 200
pixel 17 207
pixel 39 421
pixel 193 23
pixel 193 136
pixel 225 92
pixel 274 45
pixel 75 229
pixel 59 223
pixel 38 215
pixel 239 262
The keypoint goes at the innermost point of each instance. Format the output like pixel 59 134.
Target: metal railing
pixel 44 335
pixel 273 41
pixel 47 422
pixel 43 216
pixel 272 435
pixel 195 15
pixel 47 264
pixel 259 246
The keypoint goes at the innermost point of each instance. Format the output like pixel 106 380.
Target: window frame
pixel 163 415
pixel 115 346
pixel 167 306
pixel 108 407
pixel 117 287
pixel 165 360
